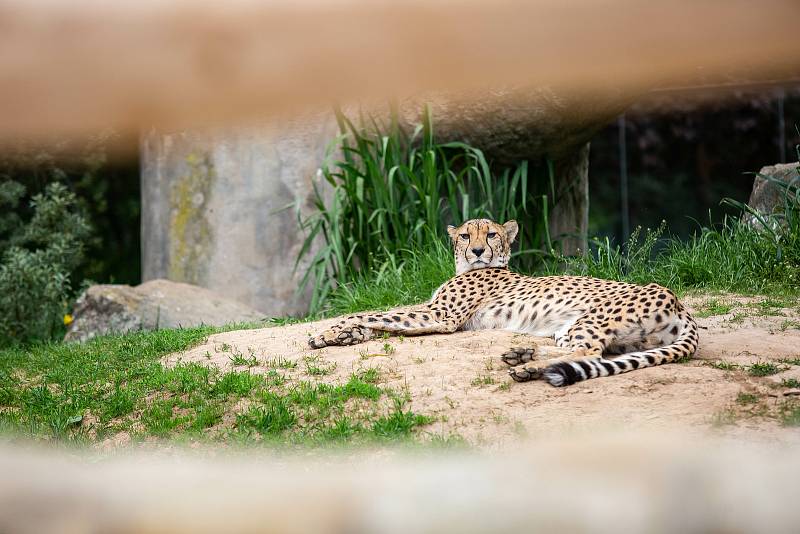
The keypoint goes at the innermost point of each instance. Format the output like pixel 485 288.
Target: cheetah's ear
pixel 451 231
pixel 511 228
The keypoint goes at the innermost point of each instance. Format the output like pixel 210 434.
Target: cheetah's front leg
pixel 410 322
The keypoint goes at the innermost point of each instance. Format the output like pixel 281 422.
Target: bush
pixel 107 192
pixel 37 259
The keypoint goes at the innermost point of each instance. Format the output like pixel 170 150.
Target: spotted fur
pixel 601 327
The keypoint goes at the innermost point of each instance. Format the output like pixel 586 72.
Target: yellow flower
pixel 67 319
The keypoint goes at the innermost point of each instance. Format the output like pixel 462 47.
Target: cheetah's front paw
pixel 518 355
pixel 349 335
pixel 526 372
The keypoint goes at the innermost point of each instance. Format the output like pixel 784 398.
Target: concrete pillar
pixel 216 208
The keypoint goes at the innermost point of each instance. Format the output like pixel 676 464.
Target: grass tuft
pixel 746 398
pixel 790 383
pixel 790 414
pixel 764 369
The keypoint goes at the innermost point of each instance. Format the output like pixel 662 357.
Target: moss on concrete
pixel 190 231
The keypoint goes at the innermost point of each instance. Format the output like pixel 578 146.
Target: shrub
pixel 37 259
pixel 107 192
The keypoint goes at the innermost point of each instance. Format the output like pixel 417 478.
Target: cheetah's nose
pixel 478 251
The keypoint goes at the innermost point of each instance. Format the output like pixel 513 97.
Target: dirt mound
pixel 742 381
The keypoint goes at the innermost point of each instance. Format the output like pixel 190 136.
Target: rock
pixel 767 197
pixel 104 309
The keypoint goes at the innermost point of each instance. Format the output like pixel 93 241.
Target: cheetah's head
pixel 481 243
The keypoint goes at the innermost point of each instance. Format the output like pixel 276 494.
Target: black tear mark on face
pixel 491 250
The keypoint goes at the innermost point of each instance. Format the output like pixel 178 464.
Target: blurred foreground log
pixel 627 484
pixel 69 68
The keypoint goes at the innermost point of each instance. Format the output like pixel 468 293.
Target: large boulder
pixel 767 197
pixel 105 309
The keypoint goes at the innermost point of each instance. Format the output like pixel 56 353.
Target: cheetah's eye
pixel 464 236
pixel 490 235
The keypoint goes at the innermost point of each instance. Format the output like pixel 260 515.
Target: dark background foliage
pixel 107 190
pixel 685 152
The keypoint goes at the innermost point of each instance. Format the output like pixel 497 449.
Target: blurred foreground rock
pixel 104 309
pixel 768 197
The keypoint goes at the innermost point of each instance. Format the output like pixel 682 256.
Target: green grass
pixel 723 365
pixel 790 383
pixel 723 418
pixel 790 414
pixel 746 398
pixel 789 325
pixel 712 308
pixel 731 257
pixel 482 380
pixel 281 363
pixel 239 360
pixel 87 392
pixel 316 367
pixel 764 369
pixel 395 283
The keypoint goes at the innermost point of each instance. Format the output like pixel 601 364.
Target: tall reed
pixel 389 192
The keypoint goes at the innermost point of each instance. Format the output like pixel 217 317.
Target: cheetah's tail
pixel 570 371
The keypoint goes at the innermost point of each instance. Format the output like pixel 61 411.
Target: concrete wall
pixel 214 208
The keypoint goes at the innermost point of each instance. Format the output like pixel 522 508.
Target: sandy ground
pixel 460 379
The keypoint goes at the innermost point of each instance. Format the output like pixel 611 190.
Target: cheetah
pixel 600 327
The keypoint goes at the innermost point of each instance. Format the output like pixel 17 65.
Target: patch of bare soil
pixel 460 380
